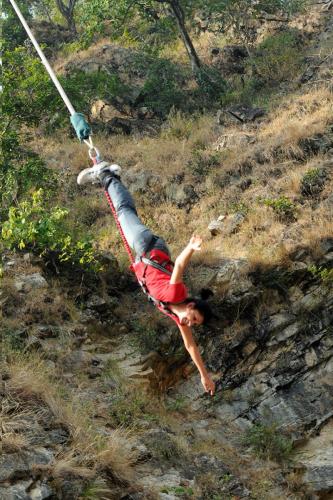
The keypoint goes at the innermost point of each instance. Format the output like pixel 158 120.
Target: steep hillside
pixel 99 397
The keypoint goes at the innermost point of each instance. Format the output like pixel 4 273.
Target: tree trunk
pixel 180 18
pixel 67 11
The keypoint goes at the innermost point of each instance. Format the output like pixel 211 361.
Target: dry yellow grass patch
pixel 11 442
pixel 118 455
pixel 316 225
pixel 60 152
pixel 296 118
pixel 66 465
pixel 303 116
pixel 32 383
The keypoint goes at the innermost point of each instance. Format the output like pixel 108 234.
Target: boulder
pixel 234 139
pixel 245 114
pixel 142 182
pixel 29 282
pixel 231 271
pixel 80 360
pixel 183 195
pixel 103 111
pixel 313 300
pixel 226 225
pixel 50 34
pixel 216 226
pixel 286 333
pixel 23 463
pixel 230 59
pixel 16 491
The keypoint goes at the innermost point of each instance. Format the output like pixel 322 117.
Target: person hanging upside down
pixel 159 277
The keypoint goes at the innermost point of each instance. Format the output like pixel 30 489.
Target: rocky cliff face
pixel 271 352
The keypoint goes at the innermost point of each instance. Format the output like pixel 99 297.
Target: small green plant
pixel 313 182
pixel 202 162
pixel 178 491
pixel 13 339
pixel 178 404
pixel 283 208
pixel 253 396
pixel 146 338
pixel 211 85
pixel 164 447
pixel 97 490
pixel 267 441
pixel 31 225
pixel 324 274
pixel 241 208
pixel 213 486
pixel 129 406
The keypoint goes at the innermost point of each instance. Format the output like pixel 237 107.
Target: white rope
pixel 44 60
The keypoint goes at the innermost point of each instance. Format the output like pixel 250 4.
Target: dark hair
pixel 201 304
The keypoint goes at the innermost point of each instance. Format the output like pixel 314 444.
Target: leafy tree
pixel 67 11
pixel 34 226
pixel 13 33
pixel 118 12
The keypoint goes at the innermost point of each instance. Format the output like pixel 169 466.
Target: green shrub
pixel 211 85
pixel 283 207
pixel 21 170
pixel 267 441
pixel 43 230
pixel 313 182
pixel 13 339
pixel 278 58
pixel 129 406
pixel 202 162
pixel 162 89
pixel 178 491
pixel 29 94
pixel 322 273
pixel 146 338
pixel 240 208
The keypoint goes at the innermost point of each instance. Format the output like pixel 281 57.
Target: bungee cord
pixel 78 121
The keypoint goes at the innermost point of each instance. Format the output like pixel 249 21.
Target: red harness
pixel 165 266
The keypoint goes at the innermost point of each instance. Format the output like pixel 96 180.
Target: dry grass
pixel 11 442
pixel 250 470
pixel 33 385
pixel 67 465
pixel 118 456
pixel 296 119
pixel 278 173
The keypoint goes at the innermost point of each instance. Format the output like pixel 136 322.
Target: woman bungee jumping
pixel 159 278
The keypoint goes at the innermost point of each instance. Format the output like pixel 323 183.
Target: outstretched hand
pixel 208 384
pixel 195 242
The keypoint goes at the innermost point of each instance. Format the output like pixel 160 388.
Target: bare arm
pixel 183 259
pixel 193 350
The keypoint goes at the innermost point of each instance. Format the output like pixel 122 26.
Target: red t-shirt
pixel 158 282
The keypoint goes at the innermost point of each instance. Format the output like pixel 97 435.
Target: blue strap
pixel 82 128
